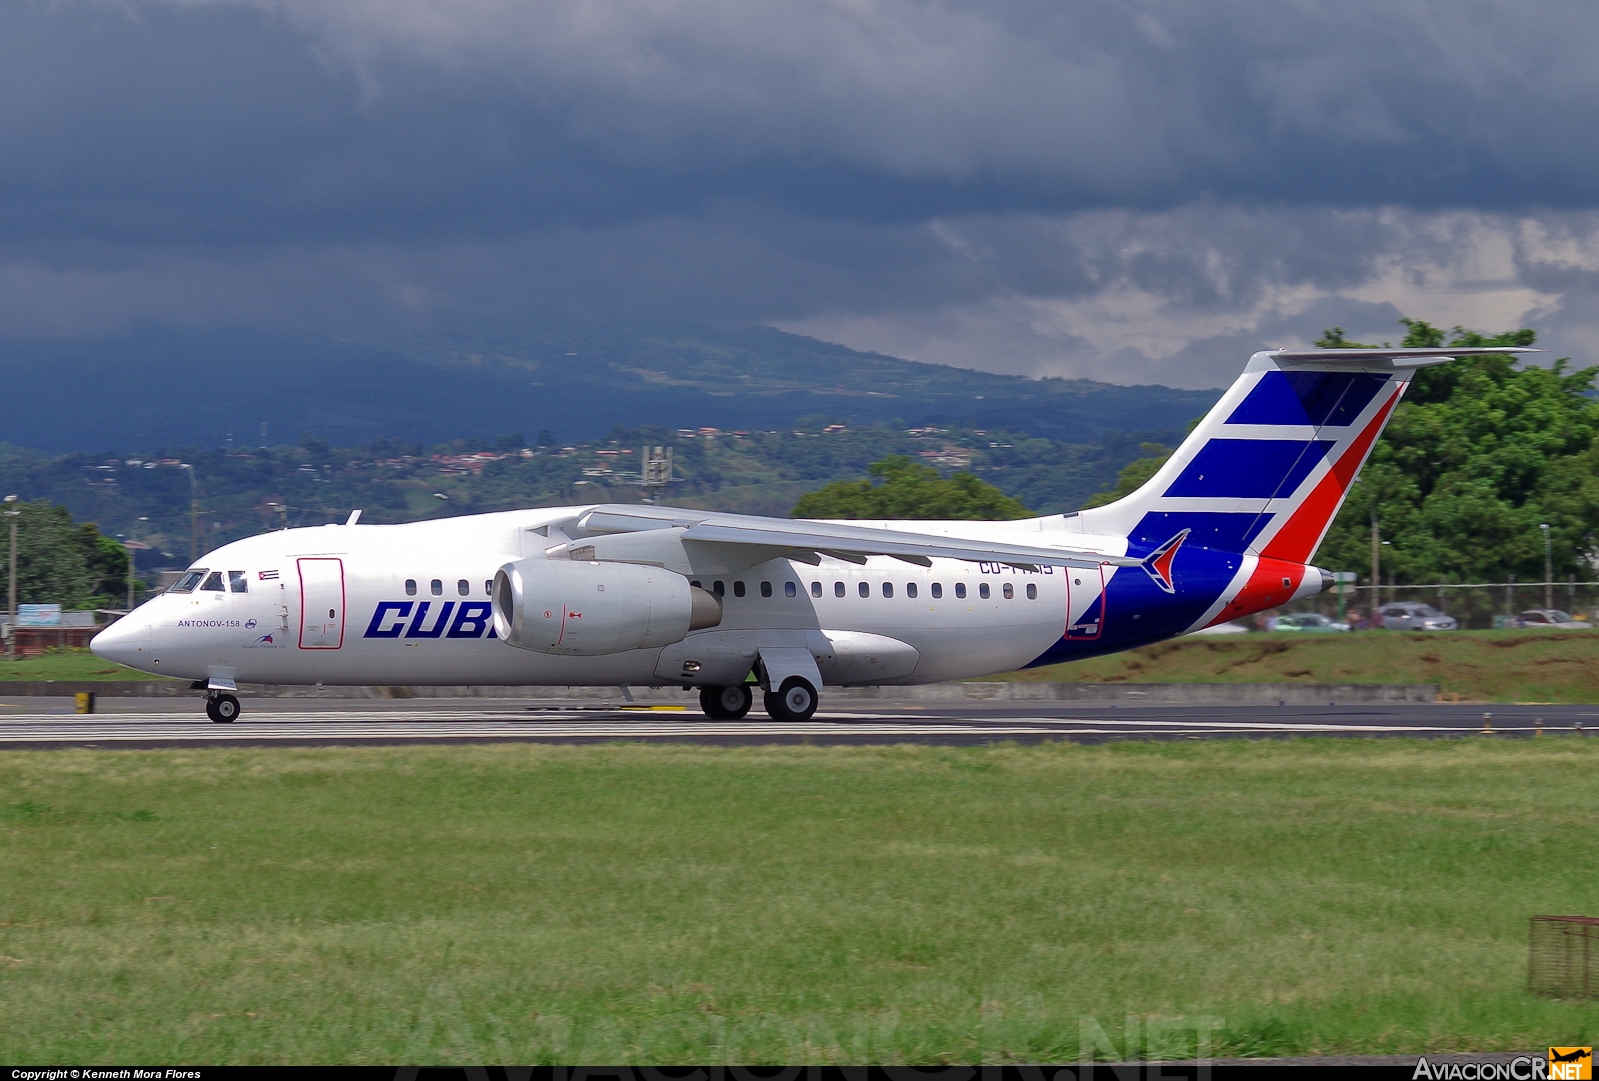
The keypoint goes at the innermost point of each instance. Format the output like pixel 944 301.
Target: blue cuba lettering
pixel 393 619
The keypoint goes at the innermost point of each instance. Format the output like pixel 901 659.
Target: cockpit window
pixel 238 582
pixel 187 583
pixel 214 582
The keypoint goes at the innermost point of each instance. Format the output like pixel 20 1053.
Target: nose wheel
pixel 222 708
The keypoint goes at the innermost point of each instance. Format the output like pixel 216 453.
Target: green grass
pixel 516 902
pixel 68 664
pixel 1474 666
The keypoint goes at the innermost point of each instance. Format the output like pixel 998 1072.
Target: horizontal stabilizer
pixel 1387 358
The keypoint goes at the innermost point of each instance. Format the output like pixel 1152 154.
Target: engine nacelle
pixel 591 609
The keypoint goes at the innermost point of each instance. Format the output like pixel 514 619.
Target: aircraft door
pixel 321 603
pixel 1085 603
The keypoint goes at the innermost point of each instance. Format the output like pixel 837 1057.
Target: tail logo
pixel 1158 565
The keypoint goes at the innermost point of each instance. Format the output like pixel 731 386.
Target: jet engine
pixel 590 609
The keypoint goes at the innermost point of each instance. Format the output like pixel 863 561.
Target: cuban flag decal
pixel 1158 565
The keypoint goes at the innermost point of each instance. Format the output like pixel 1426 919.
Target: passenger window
pixel 214 582
pixel 938 591
pixel 816 589
pixel 437 587
pixel 738 589
pixel 1010 592
pixel 910 590
pixel 864 589
pixel 888 589
pixel 960 590
pixel 238 581
pixel 696 585
pixel 410 587
pixel 719 589
pixel 766 589
pixel 790 589
pixel 463 587
pixel 982 590
pixel 187 583
pixel 838 589
pixel 488 588
pixel 1032 591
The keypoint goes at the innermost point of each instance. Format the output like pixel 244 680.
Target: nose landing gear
pixel 222 708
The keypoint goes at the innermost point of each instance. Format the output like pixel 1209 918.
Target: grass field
pixel 1476 666
pixel 71 664
pixel 522 903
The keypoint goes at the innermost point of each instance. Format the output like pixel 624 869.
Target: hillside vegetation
pixel 756 472
pixel 1473 666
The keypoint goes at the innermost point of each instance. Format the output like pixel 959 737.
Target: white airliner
pixel 631 595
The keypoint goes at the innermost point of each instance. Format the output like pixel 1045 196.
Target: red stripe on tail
pixel 1300 535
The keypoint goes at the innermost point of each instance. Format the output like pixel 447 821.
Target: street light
pixel 132 545
pixel 11 584
pixel 1548 568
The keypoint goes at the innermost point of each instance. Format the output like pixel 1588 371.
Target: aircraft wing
pixel 801 538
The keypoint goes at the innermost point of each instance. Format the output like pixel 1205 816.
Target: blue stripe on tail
pixel 1249 468
pixel 1319 399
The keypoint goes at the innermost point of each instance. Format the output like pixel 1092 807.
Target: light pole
pixel 1376 564
pixel 11 580
pixel 1548 569
pixel 194 514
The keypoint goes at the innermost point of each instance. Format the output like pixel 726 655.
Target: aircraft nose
pixel 122 641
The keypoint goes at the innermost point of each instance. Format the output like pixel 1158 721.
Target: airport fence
pixel 1476 605
pixel 1562 954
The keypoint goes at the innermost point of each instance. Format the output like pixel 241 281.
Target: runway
pixel 49 723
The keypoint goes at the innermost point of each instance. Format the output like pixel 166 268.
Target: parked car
pixel 1551 619
pixel 1410 616
pixel 1309 621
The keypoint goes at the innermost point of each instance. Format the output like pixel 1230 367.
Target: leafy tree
pixel 60 562
pixel 908 489
pixel 107 563
pixel 1478 455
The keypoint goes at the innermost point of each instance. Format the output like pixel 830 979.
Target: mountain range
pixel 156 388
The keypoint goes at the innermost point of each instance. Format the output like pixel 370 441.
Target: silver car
pixel 1309 621
pixel 1550 619
pixel 1410 616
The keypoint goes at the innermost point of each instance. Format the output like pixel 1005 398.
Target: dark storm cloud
pixel 1035 179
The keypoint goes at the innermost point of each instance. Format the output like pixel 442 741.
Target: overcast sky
pixel 1131 191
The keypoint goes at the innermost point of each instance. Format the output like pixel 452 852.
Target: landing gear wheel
pixel 223 709
pixel 726 703
pixel 795 700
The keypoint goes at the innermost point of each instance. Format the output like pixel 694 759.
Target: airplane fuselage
pixel 411 604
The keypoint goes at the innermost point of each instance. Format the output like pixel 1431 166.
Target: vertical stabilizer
pixel 1269 466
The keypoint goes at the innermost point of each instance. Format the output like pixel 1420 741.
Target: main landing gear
pixel 726 703
pixel 222 708
pixel 795 700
